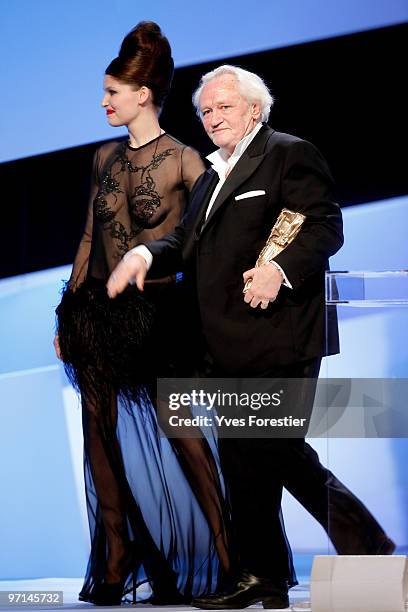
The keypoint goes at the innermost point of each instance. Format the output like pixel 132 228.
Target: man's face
pixel 227 117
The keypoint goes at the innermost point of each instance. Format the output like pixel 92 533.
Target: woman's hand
pixel 57 346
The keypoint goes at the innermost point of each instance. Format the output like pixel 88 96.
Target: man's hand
pixel 266 282
pixel 133 269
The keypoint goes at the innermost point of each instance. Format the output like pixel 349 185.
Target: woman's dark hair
pixel 145 59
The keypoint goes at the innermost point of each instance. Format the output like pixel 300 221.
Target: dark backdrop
pixel 346 95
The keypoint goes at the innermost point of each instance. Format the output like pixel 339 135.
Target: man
pixel 276 329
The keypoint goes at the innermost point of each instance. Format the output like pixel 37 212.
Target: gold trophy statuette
pixel 285 230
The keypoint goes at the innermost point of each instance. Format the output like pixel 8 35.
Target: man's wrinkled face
pixel 227 117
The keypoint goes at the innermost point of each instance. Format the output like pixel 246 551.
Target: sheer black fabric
pixel 145 522
pixel 137 195
pixel 156 508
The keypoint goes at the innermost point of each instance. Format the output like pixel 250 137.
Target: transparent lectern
pixel 361 410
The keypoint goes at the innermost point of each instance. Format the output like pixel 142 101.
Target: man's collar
pixel 218 158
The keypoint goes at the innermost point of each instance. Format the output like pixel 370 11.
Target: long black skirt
pixel 157 508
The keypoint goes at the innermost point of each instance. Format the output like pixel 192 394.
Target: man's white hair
pixel 250 86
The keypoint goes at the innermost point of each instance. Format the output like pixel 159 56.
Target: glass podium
pixel 361 413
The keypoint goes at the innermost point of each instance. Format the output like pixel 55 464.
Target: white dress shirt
pixel 222 164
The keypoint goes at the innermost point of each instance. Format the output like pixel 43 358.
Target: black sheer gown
pixel 156 507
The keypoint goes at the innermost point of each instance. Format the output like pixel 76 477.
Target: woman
pixel 156 511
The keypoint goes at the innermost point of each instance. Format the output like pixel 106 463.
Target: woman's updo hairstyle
pixel 145 59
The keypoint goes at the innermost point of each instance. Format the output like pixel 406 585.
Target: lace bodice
pixel 137 195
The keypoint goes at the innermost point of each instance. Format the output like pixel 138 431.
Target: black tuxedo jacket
pixel 276 171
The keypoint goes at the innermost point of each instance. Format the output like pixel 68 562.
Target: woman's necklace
pixel 157 144
pixel 161 132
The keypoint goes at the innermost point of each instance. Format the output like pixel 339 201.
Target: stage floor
pixel 299 596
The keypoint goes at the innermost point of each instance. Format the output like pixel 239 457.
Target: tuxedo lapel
pixel 200 199
pixel 245 167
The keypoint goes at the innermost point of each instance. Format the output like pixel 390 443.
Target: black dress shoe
pixel 111 593
pixel 247 591
pixel 107 594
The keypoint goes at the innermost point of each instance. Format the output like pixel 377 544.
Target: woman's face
pixel 121 101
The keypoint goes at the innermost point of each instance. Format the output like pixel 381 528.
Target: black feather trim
pixel 105 342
